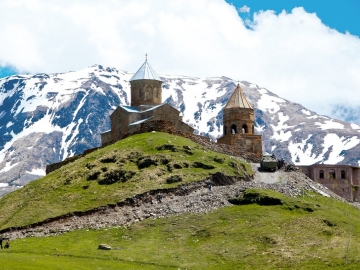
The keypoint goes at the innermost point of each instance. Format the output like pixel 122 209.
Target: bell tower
pixel 238 114
pixel 145 87
pixel 238 120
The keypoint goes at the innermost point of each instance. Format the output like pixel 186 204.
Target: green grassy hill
pixel 311 232
pixel 262 230
pixel 109 175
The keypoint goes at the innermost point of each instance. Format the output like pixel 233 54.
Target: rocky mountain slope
pixel 46 118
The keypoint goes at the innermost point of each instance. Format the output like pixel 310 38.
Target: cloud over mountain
pixel 293 54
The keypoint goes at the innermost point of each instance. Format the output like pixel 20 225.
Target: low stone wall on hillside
pixel 168 127
pixel 52 167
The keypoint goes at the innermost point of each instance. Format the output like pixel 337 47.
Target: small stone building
pixel 146 105
pixel 239 124
pixel 341 179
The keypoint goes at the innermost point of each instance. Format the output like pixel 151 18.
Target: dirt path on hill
pixel 194 197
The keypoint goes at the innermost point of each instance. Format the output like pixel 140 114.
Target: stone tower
pixel 145 87
pixel 238 123
pixel 238 114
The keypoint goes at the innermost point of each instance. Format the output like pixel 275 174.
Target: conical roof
pixel 238 100
pixel 145 72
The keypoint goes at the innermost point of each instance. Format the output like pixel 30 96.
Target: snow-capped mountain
pixel 47 118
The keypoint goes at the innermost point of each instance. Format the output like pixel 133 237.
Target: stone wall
pixel 146 92
pixel 243 142
pixel 52 167
pixel 119 123
pixel 341 179
pixel 232 150
pixel 105 137
pixel 238 117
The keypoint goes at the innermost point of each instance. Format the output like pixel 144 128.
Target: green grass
pixel 237 237
pixel 69 189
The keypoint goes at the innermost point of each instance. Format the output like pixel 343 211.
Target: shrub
pixel 93 175
pixel 202 165
pixel 174 179
pixel 146 162
pixel 170 147
pixel 219 160
pixel 110 159
pixel 114 176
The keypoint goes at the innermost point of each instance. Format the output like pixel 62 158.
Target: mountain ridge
pixel 46 118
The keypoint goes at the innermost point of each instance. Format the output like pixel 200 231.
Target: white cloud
pixel 292 54
pixel 244 9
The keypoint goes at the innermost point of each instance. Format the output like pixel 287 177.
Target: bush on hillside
pixel 174 179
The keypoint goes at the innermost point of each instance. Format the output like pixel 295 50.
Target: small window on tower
pixel 321 174
pixel 233 129
pixel 245 128
pixel 343 174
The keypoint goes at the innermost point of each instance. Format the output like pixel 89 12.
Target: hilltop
pixel 135 165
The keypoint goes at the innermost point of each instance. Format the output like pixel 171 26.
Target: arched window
pixel 224 130
pixel 147 94
pixel 139 93
pixel 321 174
pixel 157 93
pixel 343 174
pixel 245 128
pixel 332 174
pixel 253 131
pixel 233 129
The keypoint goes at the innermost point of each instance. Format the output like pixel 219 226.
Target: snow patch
pixel 269 103
pixel 279 133
pixel 37 172
pixel 306 112
pixel 8 167
pixel 330 124
pixel 354 126
pixel 338 144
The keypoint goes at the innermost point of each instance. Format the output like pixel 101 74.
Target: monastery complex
pixel 146 106
pixel 147 110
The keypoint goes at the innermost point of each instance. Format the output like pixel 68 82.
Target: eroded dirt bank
pixel 195 197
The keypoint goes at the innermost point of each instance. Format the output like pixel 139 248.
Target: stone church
pixel 146 105
pixel 238 120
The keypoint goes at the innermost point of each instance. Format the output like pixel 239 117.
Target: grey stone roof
pixel 145 72
pixel 138 110
pixel 238 100
pixel 140 121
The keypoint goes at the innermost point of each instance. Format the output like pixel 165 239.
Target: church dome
pixel 145 72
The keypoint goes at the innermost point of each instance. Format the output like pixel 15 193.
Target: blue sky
pixel 301 53
pixel 7 71
pixel 341 15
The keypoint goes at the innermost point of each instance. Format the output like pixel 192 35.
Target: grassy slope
pixel 67 189
pixel 238 237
